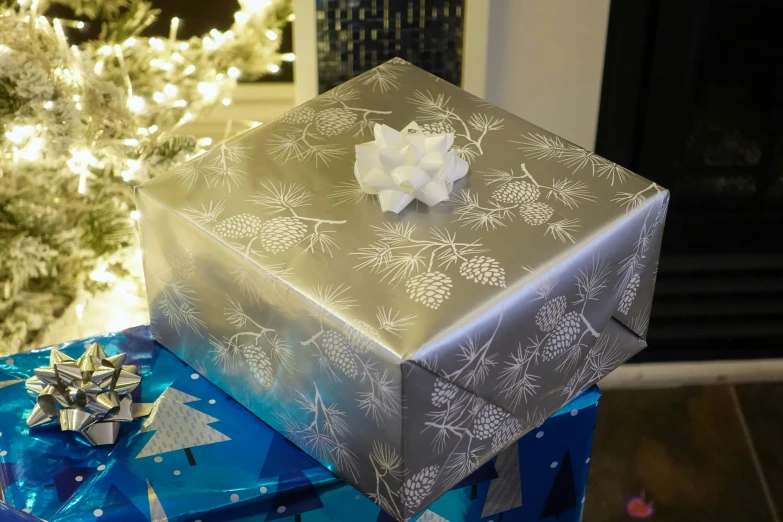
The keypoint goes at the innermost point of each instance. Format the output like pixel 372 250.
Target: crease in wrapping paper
pixel 273 273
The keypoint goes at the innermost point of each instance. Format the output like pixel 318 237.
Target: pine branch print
pixel 549 147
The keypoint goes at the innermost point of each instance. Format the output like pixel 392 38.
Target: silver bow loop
pixel 400 166
pixel 88 395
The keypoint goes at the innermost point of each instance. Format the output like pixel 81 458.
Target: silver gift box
pixel 401 351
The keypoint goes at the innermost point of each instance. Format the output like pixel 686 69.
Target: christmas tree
pixel 562 496
pixel 81 125
pixel 295 494
pixel 178 426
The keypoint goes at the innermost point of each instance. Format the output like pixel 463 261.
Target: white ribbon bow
pixel 400 166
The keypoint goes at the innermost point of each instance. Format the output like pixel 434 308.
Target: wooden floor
pixel 707 453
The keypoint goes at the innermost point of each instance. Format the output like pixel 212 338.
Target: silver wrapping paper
pixel 401 351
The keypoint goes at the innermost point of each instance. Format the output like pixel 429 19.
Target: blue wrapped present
pixel 200 455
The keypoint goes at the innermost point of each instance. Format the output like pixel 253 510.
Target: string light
pixel 190 69
pixel 180 103
pixel 271 35
pixel 80 25
pixel 159 97
pixel 130 42
pixel 234 72
pixel 153 129
pixel 204 142
pixel 173 28
pixel 288 57
pixel 48 105
pixel 20 133
pixel 136 104
pixel 241 17
pixel 226 101
pixel 273 68
pixel 98 68
pixel 135 215
pixel 184 46
pixel 208 90
pixel 156 43
pixel 170 90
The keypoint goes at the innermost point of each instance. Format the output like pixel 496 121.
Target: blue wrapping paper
pixel 202 456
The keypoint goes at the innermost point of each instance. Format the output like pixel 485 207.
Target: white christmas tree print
pixel 178 426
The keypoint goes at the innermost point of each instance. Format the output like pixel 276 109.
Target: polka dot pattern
pixel 194 376
pixel 263 489
pixel 234 497
pixel 539 434
pixel 281 509
pixel 553 465
pixel 98 512
pixel 158 459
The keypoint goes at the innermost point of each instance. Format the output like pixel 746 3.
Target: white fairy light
pixel 33 150
pixel 135 215
pixel 80 25
pixel 209 44
pixel 273 68
pixel 184 46
pixel 204 142
pixel 291 17
pixel 130 42
pixel 98 68
pixel 153 129
pixel 178 58
pixel 48 105
pixel 209 90
pixel 78 106
pixel 136 104
pixel 156 43
pixel 20 133
pixel 79 310
pixel 159 97
pixel 288 57
pixel 170 90
pixel 190 69
pixel 234 72
pixel 241 18
pixel 105 50
pixel 180 103
pixel 131 142
pixel 226 101
pixel 173 28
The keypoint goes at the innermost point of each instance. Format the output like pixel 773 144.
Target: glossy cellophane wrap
pixel 401 350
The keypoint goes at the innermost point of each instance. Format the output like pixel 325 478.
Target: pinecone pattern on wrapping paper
pixel 280 233
pixel 339 353
pixel 550 313
pixel 360 336
pixel 563 336
pixel 430 288
pixel 509 431
pixel 443 392
pixel 259 365
pixel 437 127
pixel 298 116
pixel 517 192
pixel 488 420
pixel 484 270
pixel 238 227
pixel 629 294
pixel 536 213
pixel 416 488
pixel 332 122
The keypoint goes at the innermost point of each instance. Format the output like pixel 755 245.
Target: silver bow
pixel 89 395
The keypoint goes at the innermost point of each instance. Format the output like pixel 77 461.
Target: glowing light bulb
pixel 20 133
pixel 131 142
pixel 158 97
pixel 273 68
pixel 136 104
pixel 291 17
pixel 32 151
pixel 98 68
pixel 79 310
pixel 234 72
pixel 80 25
pixel 289 57
pixel 130 42
pixel 205 142
pixel 78 106
pixel 226 101
pixel 184 46
pixel 153 129
pixel 177 58
pixel 180 103
pixel 190 69
pixel 135 215
pixel 48 105
pixel 187 117
pixel 210 44
pixel 241 18
pixel 209 90
pixel 271 34
pixel 76 97
pixel 105 50
pixel 156 43
pixel 170 90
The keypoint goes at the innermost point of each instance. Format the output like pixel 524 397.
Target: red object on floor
pixel 637 507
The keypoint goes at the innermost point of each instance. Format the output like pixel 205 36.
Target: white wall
pixel 545 62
